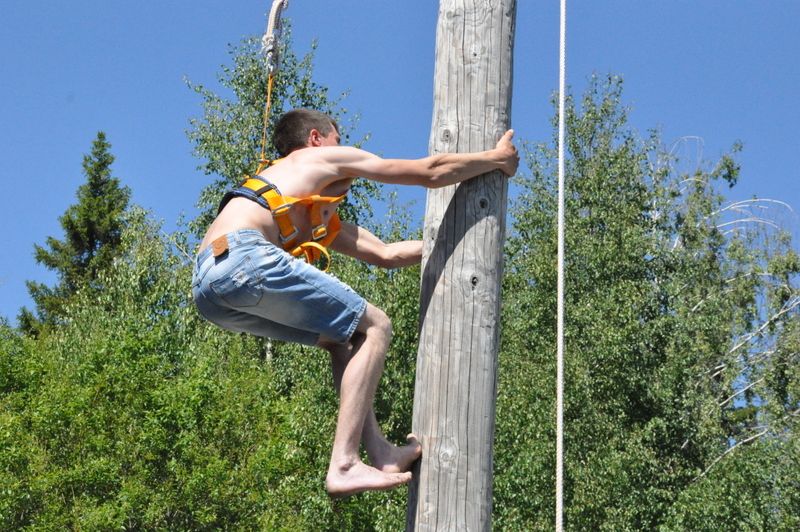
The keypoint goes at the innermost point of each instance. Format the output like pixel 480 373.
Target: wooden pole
pixel 454 398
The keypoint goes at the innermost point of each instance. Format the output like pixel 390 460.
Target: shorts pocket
pixel 241 287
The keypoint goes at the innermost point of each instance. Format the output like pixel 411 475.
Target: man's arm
pixel 430 172
pixel 359 243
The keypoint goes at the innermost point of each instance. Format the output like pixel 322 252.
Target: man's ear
pixel 314 137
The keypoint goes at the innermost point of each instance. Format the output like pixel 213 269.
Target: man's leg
pixel 382 454
pixel 347 474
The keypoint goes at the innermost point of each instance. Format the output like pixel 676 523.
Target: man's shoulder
pixel 333 154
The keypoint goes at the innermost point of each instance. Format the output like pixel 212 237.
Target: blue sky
pixel 718 70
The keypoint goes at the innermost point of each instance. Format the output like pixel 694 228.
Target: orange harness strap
pixel 322 235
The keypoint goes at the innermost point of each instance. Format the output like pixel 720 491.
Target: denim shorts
pixel 258 288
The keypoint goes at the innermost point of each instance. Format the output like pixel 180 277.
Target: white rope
pixel 271 35
pixel 562 89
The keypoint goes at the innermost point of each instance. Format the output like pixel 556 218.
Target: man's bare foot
pixel 358 477
pixel 393 459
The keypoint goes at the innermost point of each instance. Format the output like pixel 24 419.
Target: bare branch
pixel 749 274
pixel 718 373
pixel 688 179
pixel 729 290
pixel 729 399
pixel 717 370
pixel 174 242
pixel 751 202
pixel 754 219
pixel 699 142
pixel 787 307
pixel 727 452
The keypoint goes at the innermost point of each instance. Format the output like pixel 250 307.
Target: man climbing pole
pixel 247 278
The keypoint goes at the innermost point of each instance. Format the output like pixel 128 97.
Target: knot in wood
pixel 446 135
pixel 474 280
pixel 483 202
pixel 447 454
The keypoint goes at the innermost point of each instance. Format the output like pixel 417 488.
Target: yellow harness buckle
pixel 319 232
pixel 288 238
pixel 281 210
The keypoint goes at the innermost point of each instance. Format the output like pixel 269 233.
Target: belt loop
pixel 236 237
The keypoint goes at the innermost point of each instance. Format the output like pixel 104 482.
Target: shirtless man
pixel 244 280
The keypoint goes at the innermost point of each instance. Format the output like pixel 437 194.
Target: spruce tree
pixel 92 229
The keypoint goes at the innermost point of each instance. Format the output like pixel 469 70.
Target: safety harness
pixel 258 189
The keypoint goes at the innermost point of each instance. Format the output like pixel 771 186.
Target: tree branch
pixel 787 307
pixel 755 436
pixel 726 453
pixel 723 403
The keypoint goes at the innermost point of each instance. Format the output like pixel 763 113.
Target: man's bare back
pixel 301 174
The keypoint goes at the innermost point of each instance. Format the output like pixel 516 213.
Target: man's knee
pixel 375 322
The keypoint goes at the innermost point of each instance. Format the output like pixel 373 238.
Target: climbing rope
pixel 562 89
pixel 270 49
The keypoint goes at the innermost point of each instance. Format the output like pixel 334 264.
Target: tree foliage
pixel 679 311
pixel 139 414
pixel 682 390
pixel 135 413
pixel 227 138
pixel 92 229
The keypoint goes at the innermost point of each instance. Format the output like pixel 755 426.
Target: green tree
pixel 676 304
pixel 682 378
pixel 228 136
pixel 137 413
pixel 92 229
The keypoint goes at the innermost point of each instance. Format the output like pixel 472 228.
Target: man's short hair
pixel 291 131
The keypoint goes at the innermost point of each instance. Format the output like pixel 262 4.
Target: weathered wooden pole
pixel 454 399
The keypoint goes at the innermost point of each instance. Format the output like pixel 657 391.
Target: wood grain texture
pixel 454 398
